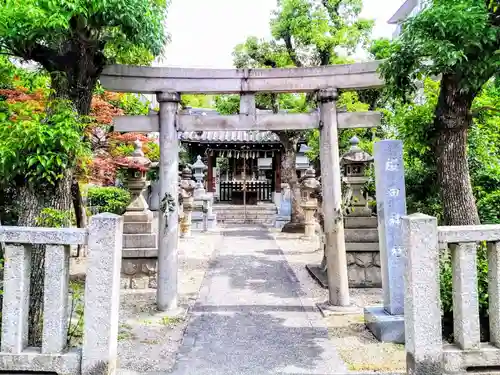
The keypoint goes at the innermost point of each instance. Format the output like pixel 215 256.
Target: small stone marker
pixel 286 201
pixel 387 323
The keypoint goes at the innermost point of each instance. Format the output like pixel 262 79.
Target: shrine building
pixel 233 157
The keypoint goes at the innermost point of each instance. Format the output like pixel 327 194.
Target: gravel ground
pixel 148 340
pixel 356 345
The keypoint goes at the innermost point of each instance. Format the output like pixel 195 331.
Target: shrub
pixel 152 151
pixel 108 199
pixel 52 218
pixel 489 208
pixel 122 150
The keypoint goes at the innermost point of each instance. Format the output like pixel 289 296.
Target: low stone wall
pixel 104 238
pixel 363 268
pixel 423 242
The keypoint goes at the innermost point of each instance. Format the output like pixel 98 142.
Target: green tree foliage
pixel 39 147
pixel 351 103
pixel 305 33
pixel 459 41
pixel 379 49
pixel 413 122
pixel 197 101
pixel 74 39
pixel 320 32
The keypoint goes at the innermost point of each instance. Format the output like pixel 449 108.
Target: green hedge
pixel 108 199
pixel 489 208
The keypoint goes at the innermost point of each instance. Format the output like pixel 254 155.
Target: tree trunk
pixel 80 214
pixel 452 121
pixel 77 84
pixel 289 176
pixel 32 202
pixel 73 78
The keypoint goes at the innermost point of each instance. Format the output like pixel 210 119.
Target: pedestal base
pixel 197 221
pixel 293 228
pixel 138 216
pixel 384 326
pixel 307 238
pixel 281 220
pixel 319 274
pixel 327 309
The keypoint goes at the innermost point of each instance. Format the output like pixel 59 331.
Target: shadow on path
pixel 250 319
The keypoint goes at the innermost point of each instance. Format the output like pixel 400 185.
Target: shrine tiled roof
pixel 229 137
pixel 240 136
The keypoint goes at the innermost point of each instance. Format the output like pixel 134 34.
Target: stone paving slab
pixel 250 318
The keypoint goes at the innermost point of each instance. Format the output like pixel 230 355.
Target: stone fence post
pixel 102 295
pixel 423 342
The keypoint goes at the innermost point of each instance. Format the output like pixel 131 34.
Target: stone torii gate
pixel 169 83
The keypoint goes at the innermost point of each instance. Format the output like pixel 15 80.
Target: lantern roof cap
pixel 199 164
pixel 136 158
pixel 355 154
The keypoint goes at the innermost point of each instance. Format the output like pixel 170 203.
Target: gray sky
pixel 204 32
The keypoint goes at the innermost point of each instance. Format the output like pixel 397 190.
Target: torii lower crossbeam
pixel 262 122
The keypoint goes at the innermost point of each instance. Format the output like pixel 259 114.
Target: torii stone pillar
pixel 168 228
pixel 336 259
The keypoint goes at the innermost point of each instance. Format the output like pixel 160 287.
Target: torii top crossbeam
pixel 141 79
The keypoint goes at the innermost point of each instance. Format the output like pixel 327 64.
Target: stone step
pixel 361 235
pixel 138 228
pixel 219 214
pixel 140 253
pixel 248 212
pixel 248 221
pixel 139 241
pixel 236 206
pixel 233 212
pixel 360 222
pixel 248 215
pixel 361 246
pixel 240 208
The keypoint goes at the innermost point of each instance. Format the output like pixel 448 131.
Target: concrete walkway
pixel 250 318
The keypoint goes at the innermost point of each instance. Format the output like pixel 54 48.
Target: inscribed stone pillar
pixel 338 284
pixel 391 206
pixel 388 323
pixel 168 227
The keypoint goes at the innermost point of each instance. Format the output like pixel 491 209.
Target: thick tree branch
pixel 291 51
pixel 47 57
pixel 333 12
pixel 324 57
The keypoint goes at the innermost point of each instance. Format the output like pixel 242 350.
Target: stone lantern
pixel 187 186
pixel 308 186
pixel 199 169
pixel 136 166
pixel 356 162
